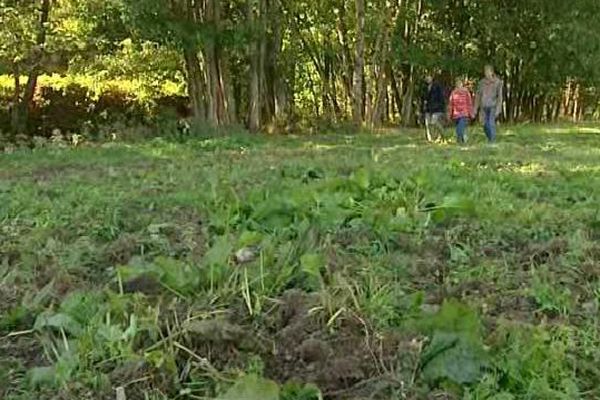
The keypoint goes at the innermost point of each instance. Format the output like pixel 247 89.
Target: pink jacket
pixel 461 104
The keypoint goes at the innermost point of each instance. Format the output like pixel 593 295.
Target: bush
pixel 78 103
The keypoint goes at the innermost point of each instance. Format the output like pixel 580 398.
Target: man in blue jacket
pixel 434 109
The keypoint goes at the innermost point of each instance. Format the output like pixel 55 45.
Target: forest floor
pixel 299 268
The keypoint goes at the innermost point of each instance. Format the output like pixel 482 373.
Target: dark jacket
pixel 434 100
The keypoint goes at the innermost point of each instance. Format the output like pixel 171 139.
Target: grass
pixel 338 267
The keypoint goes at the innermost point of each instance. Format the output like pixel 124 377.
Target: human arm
pixel 477 100
pixel 440 96
pixel 499 98
pixel 470 105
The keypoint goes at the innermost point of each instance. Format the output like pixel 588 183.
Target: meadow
pixel 302 268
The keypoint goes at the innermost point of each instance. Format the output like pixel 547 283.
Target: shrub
pixel 78 102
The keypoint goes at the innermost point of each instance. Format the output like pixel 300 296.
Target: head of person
pixel 459 83
pixel 488 71
pixel 429 79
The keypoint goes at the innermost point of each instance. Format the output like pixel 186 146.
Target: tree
pixel 359 64
pixel 24 48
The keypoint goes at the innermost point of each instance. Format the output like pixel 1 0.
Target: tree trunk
pixel 576 103
pixel 276 87
pixel 407 104
pixel 194 80
pixel 380 62
pixel 396 92
pixel 265 106
pixel 359 65
pixel 20 118
pixel 253 54
pixel 229 100
pixel 342 33
pixel 212 69
pixel 15 107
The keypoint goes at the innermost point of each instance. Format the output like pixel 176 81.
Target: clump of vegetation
pixel 337 267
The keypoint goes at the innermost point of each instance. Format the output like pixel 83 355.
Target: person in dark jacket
pixel 434 108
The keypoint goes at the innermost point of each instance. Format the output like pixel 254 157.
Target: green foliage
pixel 532 363
pixel 550 298
pixel 96 107
pixel 252 387
pixel 456 351
pixel 293 391
pixel 118 267
pixel 311 266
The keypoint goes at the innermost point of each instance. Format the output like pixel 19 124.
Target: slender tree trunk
pixel 566 99
pixel 266 109
pixel 396 92
pixel 576 104
pixel 15 108
pixel 342 33
pixel 212 69
pixel 229 103
pixel 275 82
pixel 359 65
pixel 253 54
pixel 407 104
pixel 20 120
pixel 380 67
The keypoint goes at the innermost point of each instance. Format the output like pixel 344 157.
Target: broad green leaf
pixel 252 387
pixel 42 376
pixel 456 351
pixel 453 357
pixel 81 306
pixel 178 276
pixel 361 177
pixel 311 265
pixel 219 252
pixel 58 321
pixel 458 202
pixel 248 238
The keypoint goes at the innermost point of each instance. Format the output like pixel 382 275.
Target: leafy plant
pixel 251 387
pixel 455 352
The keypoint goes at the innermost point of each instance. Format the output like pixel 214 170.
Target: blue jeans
pixel 489 124
pixel 461 129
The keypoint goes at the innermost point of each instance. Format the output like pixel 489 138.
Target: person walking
pixel 434 104
pixel 488 102
pixel 460 110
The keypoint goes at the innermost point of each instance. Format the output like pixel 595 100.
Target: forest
pixel 241 200
pixel 280 66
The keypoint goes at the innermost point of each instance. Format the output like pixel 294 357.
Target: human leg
pixel 490 124
pixel 461 130
pixel 428 126
pixel 438 125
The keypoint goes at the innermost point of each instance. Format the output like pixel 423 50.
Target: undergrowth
pixel 337 267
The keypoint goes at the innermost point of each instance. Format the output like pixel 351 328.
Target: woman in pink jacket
pixel 460 110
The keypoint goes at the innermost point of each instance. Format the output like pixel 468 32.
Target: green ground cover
pixel 338 267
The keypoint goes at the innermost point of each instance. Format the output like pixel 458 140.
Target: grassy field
pixel 336 267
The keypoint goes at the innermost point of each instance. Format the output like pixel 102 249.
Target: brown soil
pixel 345 363
pixel 542 253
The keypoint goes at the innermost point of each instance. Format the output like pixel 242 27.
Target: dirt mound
pixel 346 361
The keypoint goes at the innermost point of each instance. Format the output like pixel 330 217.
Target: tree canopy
pixel 266 63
